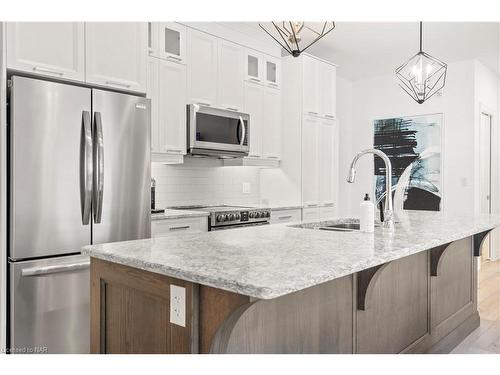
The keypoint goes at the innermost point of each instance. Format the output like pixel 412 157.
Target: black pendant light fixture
pixel 422 75
pixel 294 36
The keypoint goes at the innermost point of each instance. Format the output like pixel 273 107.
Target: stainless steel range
pixel 225 217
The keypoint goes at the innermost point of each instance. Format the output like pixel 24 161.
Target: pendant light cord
pixel 420 36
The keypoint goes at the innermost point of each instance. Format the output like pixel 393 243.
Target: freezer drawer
pixel 50 305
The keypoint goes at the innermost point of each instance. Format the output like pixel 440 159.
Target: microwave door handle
pixel 98 168
pixel 86 168
pixel 243 131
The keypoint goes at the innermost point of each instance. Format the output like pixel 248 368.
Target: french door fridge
pixel 79 174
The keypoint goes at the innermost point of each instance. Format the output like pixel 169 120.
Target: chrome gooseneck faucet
pixel 388 213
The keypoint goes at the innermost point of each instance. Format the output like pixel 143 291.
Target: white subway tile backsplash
pixel 204 182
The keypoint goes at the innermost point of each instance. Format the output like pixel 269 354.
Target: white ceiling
pixel 368 49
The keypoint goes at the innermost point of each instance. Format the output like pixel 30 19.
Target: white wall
pixel 486 100
pixel 204 181
pixel 380 98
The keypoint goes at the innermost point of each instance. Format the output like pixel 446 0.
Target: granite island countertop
pixel 270 261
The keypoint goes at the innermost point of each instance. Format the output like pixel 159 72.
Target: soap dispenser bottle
pixel 367 217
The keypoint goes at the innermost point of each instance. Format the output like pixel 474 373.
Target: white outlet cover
pixel 178 305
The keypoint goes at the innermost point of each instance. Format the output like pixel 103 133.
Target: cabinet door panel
pixel 271 125
pixel 310 163
pixel 230 82
pixel 253 66
pixel 202 67
pixel 254 107
pixel 172 106
pixel 54 49
pixel 153 94
pixel 172 41
pixel 328 90
pixel 153 36
pixel 272 71
pixel 311 100
pixel 117 55
pixel 327 162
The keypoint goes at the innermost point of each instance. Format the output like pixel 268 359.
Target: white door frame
pixel 494 173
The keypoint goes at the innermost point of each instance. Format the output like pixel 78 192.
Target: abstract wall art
pixel 413 145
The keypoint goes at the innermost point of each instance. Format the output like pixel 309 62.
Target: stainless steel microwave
pixel 217 132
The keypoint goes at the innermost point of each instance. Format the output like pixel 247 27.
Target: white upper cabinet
pixel 153 94
pixel 271 125
pixel 116 55
pixel 153 39
pixel 262 68
pixel 253 66
pixel 202 67
pixel 172 104
pixel 254 106
pixel 230 76
pixel 328 85
pixel 311 90
pixel 272 70
pixel 54 49
pixel 327 162
pixel 319 87
pixel 310 160
pixel 172 41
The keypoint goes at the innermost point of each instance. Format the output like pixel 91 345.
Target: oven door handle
pixel 243 131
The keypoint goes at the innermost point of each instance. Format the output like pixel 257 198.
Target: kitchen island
pixel 291 289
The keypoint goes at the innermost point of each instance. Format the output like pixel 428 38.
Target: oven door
pixel 217 132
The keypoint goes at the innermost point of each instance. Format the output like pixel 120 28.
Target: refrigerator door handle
pixel 39 271
pixel 98 168
pixel 86 168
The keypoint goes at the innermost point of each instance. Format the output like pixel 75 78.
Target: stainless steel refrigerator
pixel 79 174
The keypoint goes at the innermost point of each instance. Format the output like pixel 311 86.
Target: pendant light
pixel 295 37
pixel 422 75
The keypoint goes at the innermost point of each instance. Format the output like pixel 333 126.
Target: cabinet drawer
pixel 167 227
pixel 327 212
pixel 310 214
pixel 285 216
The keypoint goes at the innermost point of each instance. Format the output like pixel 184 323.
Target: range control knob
pixel 238 216
pixel 252 215
pixel 259 214
pixel 268 214
pixel 232 217
pixel 220 218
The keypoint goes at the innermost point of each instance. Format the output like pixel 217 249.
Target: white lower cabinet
pixel 52 49
pixel 168 227
pixel 286 216
pixel 311 214
pixel 116 54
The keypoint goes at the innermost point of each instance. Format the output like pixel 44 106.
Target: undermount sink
pixel 342 226
pixel 336 225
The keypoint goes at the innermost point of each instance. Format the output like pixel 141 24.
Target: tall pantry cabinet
pixel 311 92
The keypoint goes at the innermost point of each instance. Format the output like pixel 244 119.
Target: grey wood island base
pixel 292 288
pixel 426 302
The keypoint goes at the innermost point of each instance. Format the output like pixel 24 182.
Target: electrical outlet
pixel 178 305
pixel 246 188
